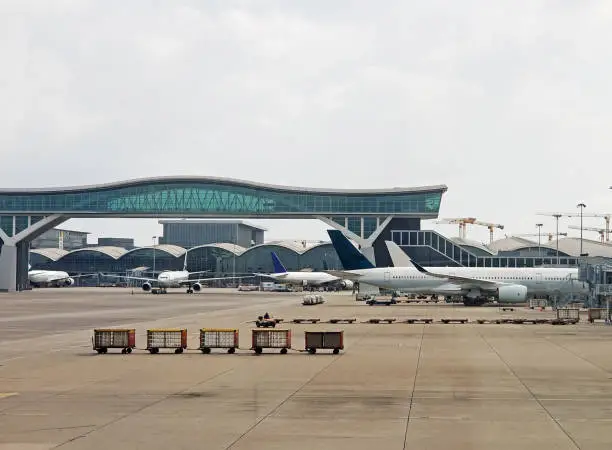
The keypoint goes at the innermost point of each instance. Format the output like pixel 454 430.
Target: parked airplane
pixel 474 284
pixel 174 279
pixel 56 278
pixel 303 278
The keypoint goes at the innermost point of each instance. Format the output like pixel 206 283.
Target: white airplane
pixel 174 279
pixel 303 278
pixel 474 284
pixel 56 278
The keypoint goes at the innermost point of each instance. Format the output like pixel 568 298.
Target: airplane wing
pixel 343 274
pixel 203 280
pixel 463 281
pixel 79 276
pixel 274 276
pixel 150 280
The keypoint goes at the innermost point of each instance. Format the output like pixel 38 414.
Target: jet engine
pixel 512 293
pixel 197 287
pixel 146 286
pixel 346 284
pixel 68 281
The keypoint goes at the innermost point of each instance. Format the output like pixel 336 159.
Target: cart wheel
pixel 205 350
pixel 336 351
pixel 231 350
pixel 178 350
pixel 273 324
pixel 129 349
pixel 123 351
pixel 258 350
pixel 312 351
pixel 283 351
pixel 100 351
pixel 153 350
pixel 257 324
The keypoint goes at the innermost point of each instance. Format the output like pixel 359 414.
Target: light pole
pixel 539 225
pixel 557 216
pixel 154 239
pixel 581 206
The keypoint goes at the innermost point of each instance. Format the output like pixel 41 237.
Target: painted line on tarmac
pixel 8 394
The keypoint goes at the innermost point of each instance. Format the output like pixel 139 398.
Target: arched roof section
pixel 194 196
pixel 52 254
pixel 172 250
pixel 235 249
pixel 513 243
pixel 317 247
pixel 113 252
pixel 571 246
pixel 475 247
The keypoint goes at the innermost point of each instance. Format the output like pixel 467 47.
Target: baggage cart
pixel 175 338
pixel 271 339
pixel 568 313
pixel 596 314
pixel 331 340
pixel 218 338
pixel 123 338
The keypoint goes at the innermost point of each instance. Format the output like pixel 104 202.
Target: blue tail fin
pixel 350 257
pixel 278 265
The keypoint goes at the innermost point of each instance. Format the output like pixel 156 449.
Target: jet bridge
pixel 597 272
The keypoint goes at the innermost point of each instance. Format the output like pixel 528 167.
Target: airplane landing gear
pixel 189 291
pixel 474 301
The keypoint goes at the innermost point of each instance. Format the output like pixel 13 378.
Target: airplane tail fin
pixel 398 257
pixel 350 257
pixel 278 265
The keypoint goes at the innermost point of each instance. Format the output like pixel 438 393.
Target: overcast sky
pixel 506 102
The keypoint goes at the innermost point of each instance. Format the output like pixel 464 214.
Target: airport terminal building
pixel 206 217
pixel 364 215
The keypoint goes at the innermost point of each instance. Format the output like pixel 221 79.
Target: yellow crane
pixel 605 216
pixel 602 231
pixel 464 221
pixel 550 235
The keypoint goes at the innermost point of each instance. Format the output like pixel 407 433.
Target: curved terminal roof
pixel 513 243
pixel 113 252
pixel 480 249
pixel 569 246
pixel 232 248
pixel 170 249
pixel 195 196
pixel 176 251
pixel 52 253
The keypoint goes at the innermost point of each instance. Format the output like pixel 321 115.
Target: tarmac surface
pixel 395 386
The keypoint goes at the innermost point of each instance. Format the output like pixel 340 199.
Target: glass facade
pixel 197 197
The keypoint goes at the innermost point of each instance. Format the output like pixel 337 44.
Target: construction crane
pixel 464 221
pixel 550 235
pixel 605 216
pixel 602 231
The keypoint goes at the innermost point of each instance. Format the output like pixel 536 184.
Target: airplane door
pixel 538 278
pixel 387 276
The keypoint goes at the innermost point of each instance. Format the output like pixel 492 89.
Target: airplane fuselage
pixel 305 278
pixel 172 278
pixel 49 277
pixel 538 281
